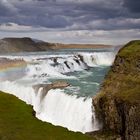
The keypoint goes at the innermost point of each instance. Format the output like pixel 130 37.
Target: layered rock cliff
pixel 118 103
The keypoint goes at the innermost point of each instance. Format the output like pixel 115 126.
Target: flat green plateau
pixel 18 123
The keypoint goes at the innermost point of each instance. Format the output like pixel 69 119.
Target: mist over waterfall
pixel 70 107
pixel 56 107
pixel 67 111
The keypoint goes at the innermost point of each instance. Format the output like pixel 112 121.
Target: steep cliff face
pixel 118 103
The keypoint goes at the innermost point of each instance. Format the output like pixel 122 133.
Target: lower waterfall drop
pixel 57 107
pixel 71 107
pixel 67 111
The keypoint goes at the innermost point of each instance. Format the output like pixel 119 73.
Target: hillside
pixel 12 45
pixel 118 103
pixel 8 45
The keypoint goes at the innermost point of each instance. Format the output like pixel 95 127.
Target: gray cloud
pixel 6 9
pixel 132 5
pixel 65 15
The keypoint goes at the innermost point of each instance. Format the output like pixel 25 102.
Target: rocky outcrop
pixel 47 87
pixel 118 103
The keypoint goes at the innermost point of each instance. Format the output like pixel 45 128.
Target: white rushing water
pixel 57 107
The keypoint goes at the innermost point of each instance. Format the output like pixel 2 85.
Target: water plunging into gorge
pixel 70 107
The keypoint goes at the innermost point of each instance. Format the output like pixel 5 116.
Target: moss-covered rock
pixel 118 103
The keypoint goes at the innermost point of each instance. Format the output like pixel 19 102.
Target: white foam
pixel 67 111
pixel 57 107
pixel 60 66
pixel 25 93
pixel 99 58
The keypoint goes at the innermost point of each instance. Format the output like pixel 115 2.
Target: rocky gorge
pixel 117 104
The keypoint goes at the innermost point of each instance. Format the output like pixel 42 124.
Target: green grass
pixel 133 47
pixel 18 123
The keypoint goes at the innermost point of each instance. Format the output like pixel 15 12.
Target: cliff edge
pixel 118 103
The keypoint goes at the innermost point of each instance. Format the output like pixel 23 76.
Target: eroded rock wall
pixel 118 103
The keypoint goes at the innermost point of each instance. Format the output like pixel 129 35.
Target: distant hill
pixel 22 45
pixel 26 44
pixel 78 46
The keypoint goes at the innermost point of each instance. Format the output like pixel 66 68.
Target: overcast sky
pixel 71 21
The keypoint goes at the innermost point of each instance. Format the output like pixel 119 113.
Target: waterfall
pixel 56 66
pixel 67 111
pixel 57 107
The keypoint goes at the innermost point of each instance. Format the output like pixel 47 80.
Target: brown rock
pixel 47 87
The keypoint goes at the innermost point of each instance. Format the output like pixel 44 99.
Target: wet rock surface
pixel 54 85
pixel 46 87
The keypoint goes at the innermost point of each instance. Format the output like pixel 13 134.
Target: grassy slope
pixel 18 123
pixel 123 80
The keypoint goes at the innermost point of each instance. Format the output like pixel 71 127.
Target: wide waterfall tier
pixel 56 107
pixel 70 107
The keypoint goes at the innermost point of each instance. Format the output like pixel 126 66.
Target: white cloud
pixel 114 37
pixel 69 21
pixel 14 27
